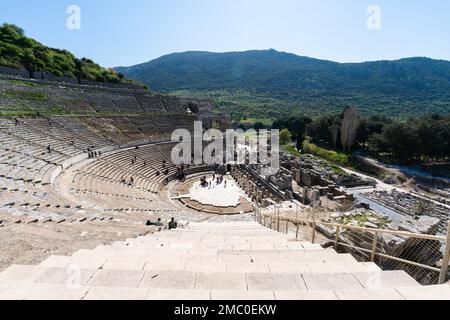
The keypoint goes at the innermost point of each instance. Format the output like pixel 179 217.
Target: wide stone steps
pixel 218 261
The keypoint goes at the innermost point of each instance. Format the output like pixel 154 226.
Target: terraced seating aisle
pixel 219 261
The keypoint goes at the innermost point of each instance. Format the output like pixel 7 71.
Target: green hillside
pixel 20 52
pixel 270 84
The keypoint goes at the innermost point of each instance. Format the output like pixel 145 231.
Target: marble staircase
pixel 211 261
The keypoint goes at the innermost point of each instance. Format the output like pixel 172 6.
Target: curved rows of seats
pixel 139 172
pixel 110 182
pixel 27 165
pixel 143 128
pixel 131 178
pixel 84 99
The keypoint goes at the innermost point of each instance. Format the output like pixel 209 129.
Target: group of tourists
pixel 130 181
pixel 181 172
pixel 218 179
pixel 172 224
pixel 92 154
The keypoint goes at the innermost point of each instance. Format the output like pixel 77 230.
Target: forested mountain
pixel 272 84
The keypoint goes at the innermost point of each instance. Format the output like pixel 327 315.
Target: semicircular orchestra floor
pixel 225 198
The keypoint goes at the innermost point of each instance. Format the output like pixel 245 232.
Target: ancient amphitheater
pixel 77 190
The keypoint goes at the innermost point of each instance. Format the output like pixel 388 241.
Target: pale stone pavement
pixel 216 260
pixel 218 195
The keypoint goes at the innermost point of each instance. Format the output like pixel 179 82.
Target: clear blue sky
pixel 127 32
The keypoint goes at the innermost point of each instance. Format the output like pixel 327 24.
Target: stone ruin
pixel 421 251
pixel 413 206
pixel 257 187
pixel 315 179
pixel 319 179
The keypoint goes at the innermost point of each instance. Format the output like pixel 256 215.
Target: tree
pixel 335 129
pixel 285 137
pixel 29 61
pixel 349 128
pixel 319 130
pixel 400 140
pixel 259 126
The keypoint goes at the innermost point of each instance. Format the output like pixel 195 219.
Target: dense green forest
pixel 270 84
pixel 415 140
pixel 20 52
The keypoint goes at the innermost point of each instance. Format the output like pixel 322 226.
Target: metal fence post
pixel 298 230
pixel 287 226
pixel 336 242
pixel 374 246
pixel 446 258
pixel 313 236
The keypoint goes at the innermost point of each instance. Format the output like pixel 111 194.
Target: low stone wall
pixel 14 72
pixel 39 75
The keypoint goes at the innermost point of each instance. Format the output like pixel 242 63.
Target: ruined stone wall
pixel 220 120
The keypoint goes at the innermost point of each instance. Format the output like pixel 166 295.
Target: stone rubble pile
pixel 413 206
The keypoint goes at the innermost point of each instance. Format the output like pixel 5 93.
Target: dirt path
pixel 32 243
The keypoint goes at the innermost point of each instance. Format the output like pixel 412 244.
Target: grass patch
pixel 24 82
pixel 18 113
pixel 337 170
pixel 291 150
pixel 264 121
pixel 330 155
pixel 26 95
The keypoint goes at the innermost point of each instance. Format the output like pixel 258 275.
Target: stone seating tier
pixel 85 99
pixel 211 261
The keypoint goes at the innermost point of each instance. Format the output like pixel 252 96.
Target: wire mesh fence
pixel 424 257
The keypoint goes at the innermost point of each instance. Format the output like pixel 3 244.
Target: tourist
pixel 49 149
pixel 203 182
pixel 159 223
pixel 164 163
pixel 156 224
pixel 173 224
